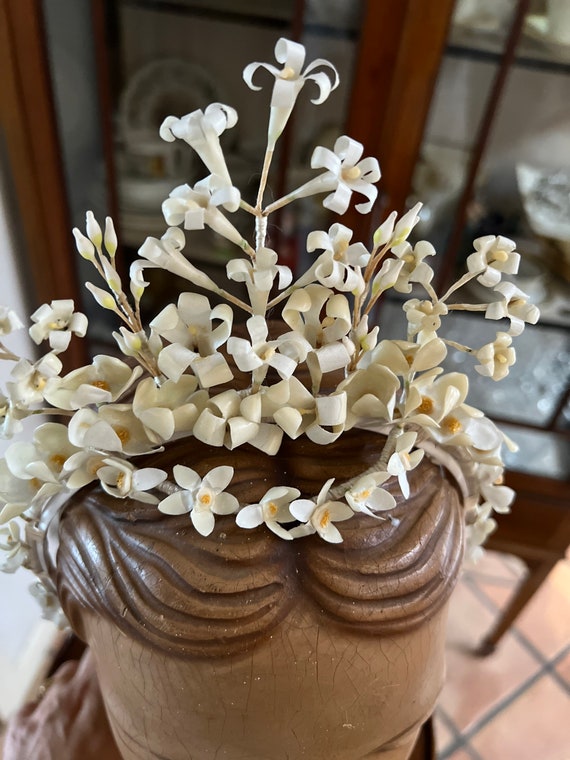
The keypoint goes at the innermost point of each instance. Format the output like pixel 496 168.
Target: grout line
pixel 503 704
pixel 548 666
pixel 457 741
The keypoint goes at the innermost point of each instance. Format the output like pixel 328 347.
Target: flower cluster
pixel 323 371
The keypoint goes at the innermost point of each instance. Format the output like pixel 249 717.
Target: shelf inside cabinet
pixel 275 15
pixel 533 52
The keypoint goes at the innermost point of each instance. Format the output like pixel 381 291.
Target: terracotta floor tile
pixel 474 684
pixel 495 565
pixel 499 592
pixel 563 668
pixel 534 727
pixel 545 621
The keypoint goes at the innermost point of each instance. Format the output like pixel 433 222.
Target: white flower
pixel 414 268
pixel 42 461
pixel 166 254
pixel 339 266
pixel 230 420
pixel 430 399
pixel 202 497
pixel 259 353
pixel 496 357
pixel 322 419
pixel 404 459
pixel 478 532
pixel 201 130
pixel 366 495
pixel 261 274
pixel 111 428
pixel 272 510
pixel 320 516
pixel 194 341
pixel 513 306
pixel 82 467
pixel 190 323
pixel 9 321
pixel 496 494
pixel 11 415
pixel 424 318
pixel 56 322
pixel 406 358
pixel 492 257
pixel 303 312
pixel 29 381
pixel 466 426
pixel 289 81
pixel 371 393
pixel 31 473
pixel 120 479
pixel 197 207
pixel 16 495
pixel 345 174
pixel 49 603
pixel 103 381
pixel 169 409
pixel 13 552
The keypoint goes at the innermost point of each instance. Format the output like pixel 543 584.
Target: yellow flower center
pixel 409 258
pixel 325 519
pixel 205 499
pixel 363 494
pixel 123 434
pixel 426 407
pixel 38 381
pixel 501 256
pixel 287 73
pixel 268 353
pixel 101 384
pixel 451 425
pixel 58 324
pixel 340 250
pixel 272 508
pixel 410 359
pixel 501 358
pixel 121 480
pixel 351 173
pixel 57 461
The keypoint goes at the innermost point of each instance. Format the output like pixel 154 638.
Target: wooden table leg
pixel 538 571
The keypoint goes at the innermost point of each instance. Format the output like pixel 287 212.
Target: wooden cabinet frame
pixel 30 135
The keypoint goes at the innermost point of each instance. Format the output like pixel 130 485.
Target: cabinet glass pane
pixel 513 136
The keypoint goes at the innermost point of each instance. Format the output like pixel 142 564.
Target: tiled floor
pixel 515 703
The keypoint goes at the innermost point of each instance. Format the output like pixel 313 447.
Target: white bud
pixel 110 237
pixel 84 245
pixel 93 230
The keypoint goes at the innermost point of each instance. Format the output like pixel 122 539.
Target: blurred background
pixel 466 103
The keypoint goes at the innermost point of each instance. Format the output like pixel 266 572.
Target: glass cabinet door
pixel 119 71
pixel 495 159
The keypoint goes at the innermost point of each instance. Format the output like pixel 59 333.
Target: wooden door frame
pixel 30 133
pixel 400 51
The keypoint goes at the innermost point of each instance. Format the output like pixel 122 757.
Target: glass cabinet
pixel 495 159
